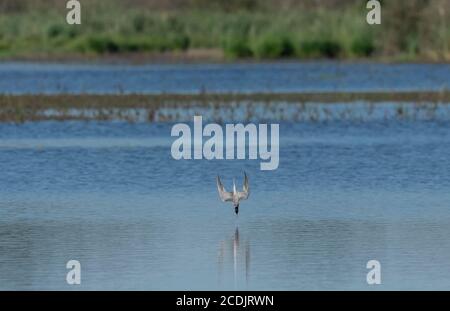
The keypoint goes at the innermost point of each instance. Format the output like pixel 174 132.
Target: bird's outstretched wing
pixel 246 189
pixel 223 194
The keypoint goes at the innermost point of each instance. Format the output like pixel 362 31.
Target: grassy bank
pixel 410 30
pixel 167 107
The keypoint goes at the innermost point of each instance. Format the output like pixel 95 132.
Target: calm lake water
pixel 29 78
pixel 110 195
pixel 356 182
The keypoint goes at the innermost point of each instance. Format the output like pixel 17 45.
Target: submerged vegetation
pixel 222 107
pixel 264 29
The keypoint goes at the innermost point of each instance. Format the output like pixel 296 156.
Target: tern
pixel 235 196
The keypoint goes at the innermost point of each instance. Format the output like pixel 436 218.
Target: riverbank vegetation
pixel 412 30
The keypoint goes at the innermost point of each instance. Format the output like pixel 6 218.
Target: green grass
pixel 240 33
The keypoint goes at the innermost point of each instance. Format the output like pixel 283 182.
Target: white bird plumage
pixel 234 196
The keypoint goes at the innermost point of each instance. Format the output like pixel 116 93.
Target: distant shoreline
pixel 171 57
pixel 220 31
pixel 194 56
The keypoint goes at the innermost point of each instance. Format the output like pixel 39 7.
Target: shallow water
pixel 109 195
pixel 32 78
pixel 260 112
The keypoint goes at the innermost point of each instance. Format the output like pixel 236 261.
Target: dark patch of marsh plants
pixel 315 107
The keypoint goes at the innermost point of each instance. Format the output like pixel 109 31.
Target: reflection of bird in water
pixel 235 196
pixel 236 251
